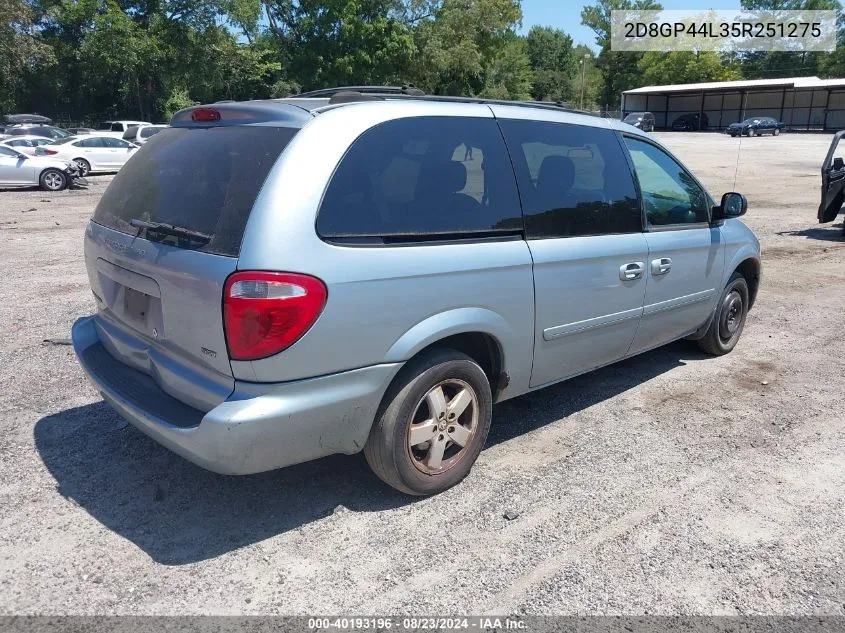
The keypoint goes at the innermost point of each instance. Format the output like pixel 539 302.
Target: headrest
pixel 557 171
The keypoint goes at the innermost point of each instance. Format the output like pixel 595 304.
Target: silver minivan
pixel 281 280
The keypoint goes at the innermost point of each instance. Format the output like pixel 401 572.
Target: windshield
pixel 104 126
pixel 62 141
pixel 633 117
pixel 203 180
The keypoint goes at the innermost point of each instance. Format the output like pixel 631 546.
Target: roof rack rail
pixel 408 89
pixel 353 94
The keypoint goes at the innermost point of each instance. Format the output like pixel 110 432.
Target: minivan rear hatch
pixel 166 235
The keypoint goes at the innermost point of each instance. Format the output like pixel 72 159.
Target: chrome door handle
pixel 661 266
pixel 634 270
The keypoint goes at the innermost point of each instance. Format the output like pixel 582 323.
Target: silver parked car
pixel 281 280
pixel 22 170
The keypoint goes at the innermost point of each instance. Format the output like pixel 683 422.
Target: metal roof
pixel 744 84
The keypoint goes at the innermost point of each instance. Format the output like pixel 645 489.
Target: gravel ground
pixel 672 483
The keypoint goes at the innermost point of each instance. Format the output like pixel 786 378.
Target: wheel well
pixel 484 350
pixel 750 269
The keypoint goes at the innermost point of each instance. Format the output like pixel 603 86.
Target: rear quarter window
pixel 204 180
pixel 422 178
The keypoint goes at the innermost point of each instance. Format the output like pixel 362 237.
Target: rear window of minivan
pixel 204 180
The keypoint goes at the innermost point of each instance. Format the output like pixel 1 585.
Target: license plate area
pixel 132 299
pixel 136 306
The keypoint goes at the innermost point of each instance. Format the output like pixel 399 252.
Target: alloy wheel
pixel 442 426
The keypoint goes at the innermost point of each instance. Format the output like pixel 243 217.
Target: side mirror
pixel 838 163
pixel 733 205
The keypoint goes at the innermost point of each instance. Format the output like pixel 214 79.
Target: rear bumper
pixel 259 427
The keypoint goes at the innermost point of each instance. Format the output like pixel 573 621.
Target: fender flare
pixel 742 255
pixel 456 321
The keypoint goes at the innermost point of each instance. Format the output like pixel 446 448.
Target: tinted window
pixel 573 180
pixel 205 180
pixel 149 131
pixel 422 177
pixel 91 142
pixel 670 194
pixel 116 143
pixel 117 127
pixel 18 143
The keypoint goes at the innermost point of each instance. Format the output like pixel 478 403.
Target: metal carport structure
pixel 803 103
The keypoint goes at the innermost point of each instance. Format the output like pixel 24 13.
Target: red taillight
pixel 50 151
pixel 205 114
pixel 265 313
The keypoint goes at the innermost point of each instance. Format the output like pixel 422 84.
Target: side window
pixel 573 180
pixel 90 142
pixel 670 194
pixel 115 143
pixel 418 178
pixel 117 127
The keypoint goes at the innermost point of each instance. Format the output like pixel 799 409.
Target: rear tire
pixel 729 320
pixel 84 166
pixel 439 400
pixel 52 180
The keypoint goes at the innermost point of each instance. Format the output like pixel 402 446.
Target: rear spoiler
pixel 241 113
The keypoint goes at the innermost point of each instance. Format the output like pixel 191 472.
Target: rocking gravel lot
pixel 672 483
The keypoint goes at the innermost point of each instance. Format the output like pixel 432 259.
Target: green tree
pixel 341 42
pixel 550 53
pixel 680 67
pixel 22 50
pixel 620 71
pixel 457 41
pixel 508 75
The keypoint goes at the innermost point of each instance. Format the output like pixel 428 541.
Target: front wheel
pixel 52 180
pixel 432 424
pixel 776 132
pixel 729 320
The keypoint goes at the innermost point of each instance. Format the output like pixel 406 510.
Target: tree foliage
pixel 84 60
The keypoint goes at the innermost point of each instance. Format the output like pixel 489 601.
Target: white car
pixel 26 144
pixel 142 133
pixel 118 128
pixel 91 152
pixel 22 170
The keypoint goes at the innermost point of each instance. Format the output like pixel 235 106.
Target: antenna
pixel 738 151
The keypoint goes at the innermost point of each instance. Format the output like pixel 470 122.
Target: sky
pixel 566 15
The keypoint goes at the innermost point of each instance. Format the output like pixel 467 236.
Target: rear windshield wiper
pixel 171 229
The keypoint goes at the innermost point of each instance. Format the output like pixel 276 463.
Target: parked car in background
pixel 51 174
pixel 18 119
pixel 756 126
pixel 45 131
pixel 691 122
pixel 833 181
pixel 140 134
pixel 641 120
pixel 76 131
pixel 92 152
pixel 118 128
pixel 240 262
pixel 26 144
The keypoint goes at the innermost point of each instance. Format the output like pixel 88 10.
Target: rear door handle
pixel 633 270
pixel 661 266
